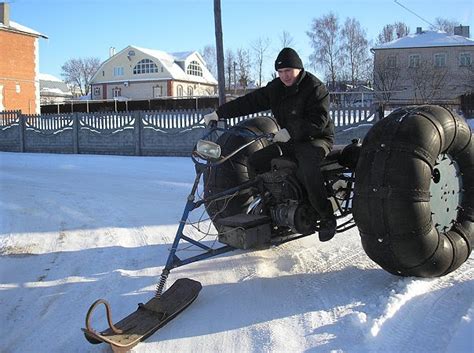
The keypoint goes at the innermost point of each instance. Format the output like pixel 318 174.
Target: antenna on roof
pixel 414 13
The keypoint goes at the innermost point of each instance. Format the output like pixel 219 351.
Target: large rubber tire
pixel 236 170
pixel 392 202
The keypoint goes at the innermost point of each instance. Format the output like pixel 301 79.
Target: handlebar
pixel 237 131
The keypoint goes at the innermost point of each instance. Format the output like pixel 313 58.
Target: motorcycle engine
pixel 286 200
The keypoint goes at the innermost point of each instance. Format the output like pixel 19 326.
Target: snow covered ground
pixel 75 228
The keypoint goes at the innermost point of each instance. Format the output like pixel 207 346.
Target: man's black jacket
pixel 303 109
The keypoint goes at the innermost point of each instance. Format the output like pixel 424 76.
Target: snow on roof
pixel 20 28
pixel 426 39
pixel 170 62
pixel 48 77
pixel 57 92
pixel 166 59
pixel 182 56
pixel 159 54
pixel 51 85
pixel 173 62
pixel 171 57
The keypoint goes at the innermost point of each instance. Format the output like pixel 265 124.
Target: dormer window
pixel 145 66
pixel 194 69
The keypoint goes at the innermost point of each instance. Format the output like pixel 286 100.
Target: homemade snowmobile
pixel 408 188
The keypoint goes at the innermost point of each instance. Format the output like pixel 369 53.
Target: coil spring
pixel 161 285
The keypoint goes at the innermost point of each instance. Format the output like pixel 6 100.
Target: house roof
pixel 53 86
pixel 171 60
pixel 48 77
pixel 168 60
pixel 427 39
pixel 182 56
pixel 22 29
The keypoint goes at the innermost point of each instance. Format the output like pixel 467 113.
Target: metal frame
pixel 174 261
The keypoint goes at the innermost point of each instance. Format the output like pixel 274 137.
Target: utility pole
pixel 219 51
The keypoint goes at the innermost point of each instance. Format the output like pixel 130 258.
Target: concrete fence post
pixel 75 132
pixel 138 132
pixel 21 120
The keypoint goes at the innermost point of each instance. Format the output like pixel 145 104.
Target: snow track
pixel 74 228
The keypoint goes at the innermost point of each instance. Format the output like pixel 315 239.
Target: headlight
pixel 208 149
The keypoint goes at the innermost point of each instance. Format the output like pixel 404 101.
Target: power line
pixel 414 13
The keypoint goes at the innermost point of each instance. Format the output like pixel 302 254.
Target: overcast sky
pixel 85 28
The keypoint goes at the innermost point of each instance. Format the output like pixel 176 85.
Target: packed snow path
pixel 75 228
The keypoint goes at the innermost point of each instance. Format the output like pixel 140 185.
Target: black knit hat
pixel 288 58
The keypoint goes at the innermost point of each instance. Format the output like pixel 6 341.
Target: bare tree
pixel 401 29
pixel 286 40
pixel 230 68
pixel 355 49
pixel 428 81
pixel 443 24
pixel 386 35
pixel 368 71
pixel 243 65
pixel 385 80
pixel 391 32
pixel 324 36
pixel 468 71
pixel 208 53
pixel 78 72
pixel 260 47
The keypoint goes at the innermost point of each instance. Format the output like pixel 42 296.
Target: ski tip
pixel 189 283
pixel 90 337
pixel 148 318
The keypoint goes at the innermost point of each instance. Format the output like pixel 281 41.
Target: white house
pixel 425 67
pixel 140 73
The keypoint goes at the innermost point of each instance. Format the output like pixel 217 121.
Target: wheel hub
pixel 446 192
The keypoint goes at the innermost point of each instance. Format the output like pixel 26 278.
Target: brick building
pixel 19 65
pixel 425 67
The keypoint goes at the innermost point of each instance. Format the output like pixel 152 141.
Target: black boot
pixel 327 228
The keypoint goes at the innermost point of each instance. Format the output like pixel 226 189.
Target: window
pixel 440 60
pixel 190 91
pixel 179 91
pixel 392 62
pixel 194 69
pixel 465 59
pixel 145 66
pixel 414 61
pixel 118 71
pixel 116 92
pixel 96 91
pixel 157 91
